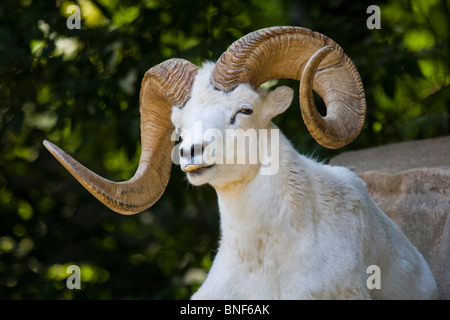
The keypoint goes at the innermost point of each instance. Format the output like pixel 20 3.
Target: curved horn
pixel 163 86
pixel 285 52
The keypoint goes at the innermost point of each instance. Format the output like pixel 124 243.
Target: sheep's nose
pixel 195 150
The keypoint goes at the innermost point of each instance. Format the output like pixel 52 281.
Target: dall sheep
pixel 307 230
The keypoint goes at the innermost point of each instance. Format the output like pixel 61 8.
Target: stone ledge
pixel 410 182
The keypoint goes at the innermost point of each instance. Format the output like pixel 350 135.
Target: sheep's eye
pixel 246 111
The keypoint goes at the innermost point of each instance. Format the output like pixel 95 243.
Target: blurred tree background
pixel 79 88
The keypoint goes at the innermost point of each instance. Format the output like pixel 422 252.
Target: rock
pixel 410 182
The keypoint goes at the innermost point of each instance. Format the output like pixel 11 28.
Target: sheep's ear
pixel 277 101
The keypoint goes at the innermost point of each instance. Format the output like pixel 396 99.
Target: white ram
pixel 305 231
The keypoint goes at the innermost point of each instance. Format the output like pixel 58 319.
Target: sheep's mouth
pixel 196 168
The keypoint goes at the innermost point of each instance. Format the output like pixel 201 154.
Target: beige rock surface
pixel 410 182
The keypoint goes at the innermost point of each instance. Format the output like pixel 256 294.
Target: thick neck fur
pixel 264 211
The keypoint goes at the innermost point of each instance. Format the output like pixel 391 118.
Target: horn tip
pixel 47 144
pixel 60 155
pixel 51 147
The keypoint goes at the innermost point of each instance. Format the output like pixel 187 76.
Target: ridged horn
pixel 290 52
pixel 163 86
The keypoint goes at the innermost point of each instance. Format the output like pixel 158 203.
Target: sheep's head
pixel 220 97
pixel 220 131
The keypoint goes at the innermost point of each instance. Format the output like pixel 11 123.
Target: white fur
pixel 308 232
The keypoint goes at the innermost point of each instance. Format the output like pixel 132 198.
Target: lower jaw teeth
pixel 193 167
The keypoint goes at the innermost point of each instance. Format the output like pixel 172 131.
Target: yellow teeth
pixel 192 167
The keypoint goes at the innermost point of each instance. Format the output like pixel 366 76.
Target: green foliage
pixel 80 89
